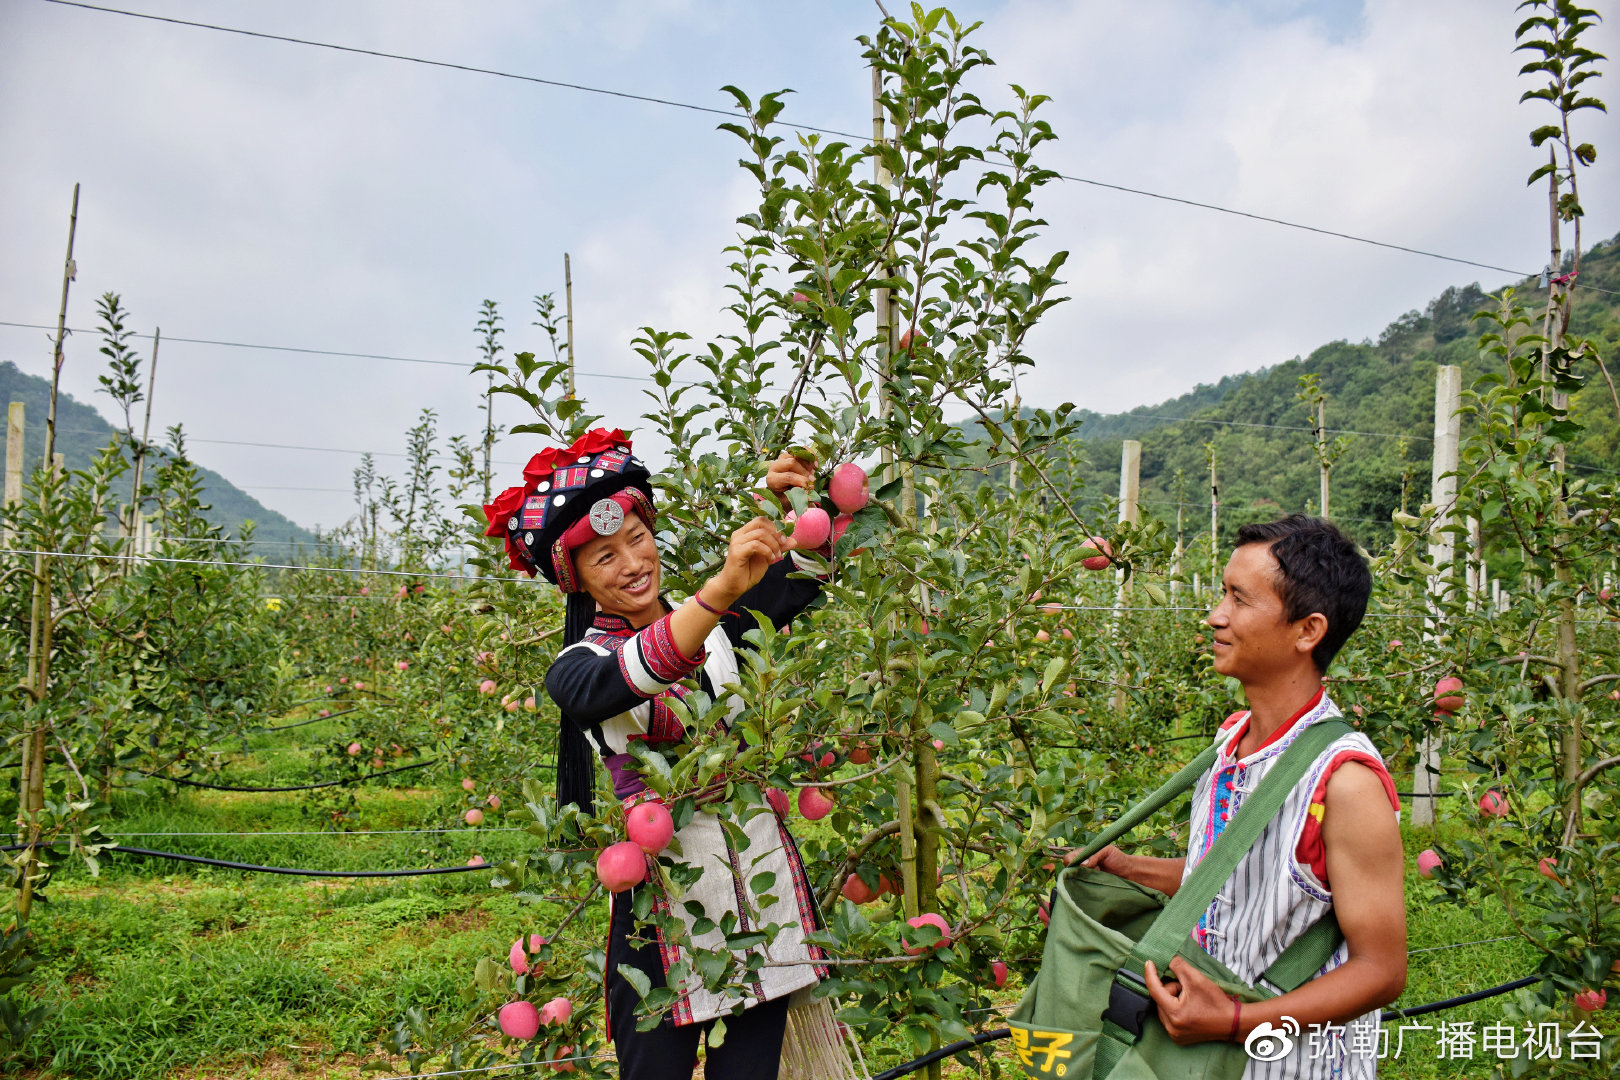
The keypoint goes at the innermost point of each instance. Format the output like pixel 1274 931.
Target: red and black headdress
pixel 568 496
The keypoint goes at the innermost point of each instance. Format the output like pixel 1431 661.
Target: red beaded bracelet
pixel 698 596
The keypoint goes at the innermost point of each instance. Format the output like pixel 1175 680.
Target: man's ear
pixel 1312 629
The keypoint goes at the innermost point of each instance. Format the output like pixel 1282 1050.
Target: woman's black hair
pixel 576 764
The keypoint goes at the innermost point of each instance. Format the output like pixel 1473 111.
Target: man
pixel 1294 591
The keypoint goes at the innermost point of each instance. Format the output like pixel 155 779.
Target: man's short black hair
pixel 1320 570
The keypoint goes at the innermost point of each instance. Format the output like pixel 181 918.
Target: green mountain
pixel 1380 390
pixel 82 432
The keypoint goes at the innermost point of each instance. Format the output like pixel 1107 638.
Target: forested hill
pixel 82 432
pixel 1260 429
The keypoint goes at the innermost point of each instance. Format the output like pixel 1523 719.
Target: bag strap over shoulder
pixel 1196 893
pixel 1151 805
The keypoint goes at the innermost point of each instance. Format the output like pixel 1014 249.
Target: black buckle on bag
pixel 1128 1005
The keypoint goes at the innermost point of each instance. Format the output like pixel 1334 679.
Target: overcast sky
pixel 261 192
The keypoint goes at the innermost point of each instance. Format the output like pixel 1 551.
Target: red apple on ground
pixel 1591 1001
pixel 520 959
pixel 649 826
pixel 1099 561
pixel 621 866
pixel 779 801
pixel 1492 804
pixel 474 816
pixel 519 1020
pixel 556 1011
pixel 814 803
pixel 928 918
pixel 1428 862
pixel 849 488
pixel 998 973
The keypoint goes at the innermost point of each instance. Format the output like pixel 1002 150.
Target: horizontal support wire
pixel 284 870
pixel 733 114
pixel 300 787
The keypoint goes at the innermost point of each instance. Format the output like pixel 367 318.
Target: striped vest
pixel 1272 898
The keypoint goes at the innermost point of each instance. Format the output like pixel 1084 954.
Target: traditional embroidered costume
pixel 612 684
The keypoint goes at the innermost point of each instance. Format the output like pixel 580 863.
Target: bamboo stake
pixel 568 296
pixel 146 433
pixel 1130 485
pixel 31 791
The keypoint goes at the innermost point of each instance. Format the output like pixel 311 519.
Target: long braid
pixel 576 764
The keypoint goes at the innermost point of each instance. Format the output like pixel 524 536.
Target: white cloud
pixel 254 191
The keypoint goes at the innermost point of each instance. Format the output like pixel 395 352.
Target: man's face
pixel 1253 637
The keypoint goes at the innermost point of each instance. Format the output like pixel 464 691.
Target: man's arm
pixel 1155 873
pixel 1365 866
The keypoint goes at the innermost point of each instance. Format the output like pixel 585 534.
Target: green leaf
pixel 945 733
pixel 1056 669
pixel 637 979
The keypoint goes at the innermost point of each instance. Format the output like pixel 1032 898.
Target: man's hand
pixel 787 472
pixel 1161 875
pixel 1191 1007
pixel 1110 860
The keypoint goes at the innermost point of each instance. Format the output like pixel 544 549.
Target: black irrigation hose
pixel 1393 1014
pixel 299 787
pixel 1427 794
pixel 1465 999
pixel 295 872
pixel 312 720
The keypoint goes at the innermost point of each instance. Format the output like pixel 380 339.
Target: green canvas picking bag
pixel 1088 1015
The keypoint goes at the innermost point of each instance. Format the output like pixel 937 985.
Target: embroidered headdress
pixel 568 496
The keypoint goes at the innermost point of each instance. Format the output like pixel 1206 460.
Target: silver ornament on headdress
pixel 606 517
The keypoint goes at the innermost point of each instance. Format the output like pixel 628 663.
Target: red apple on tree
pixel 1590 1001
pixel 474 816
pixel 779 801
pixel 1492 804
pixel 1101 560
pixel 519 1020
pixel 849 488
pixel 556 1011
pixel 928 918
pixel 998 973
pixel 649 826
pixel 857 891
pixel 1448 695
pixel 814 803
pixel 621 866
pixel 519 959
pixel 1428 861
pixel 811 528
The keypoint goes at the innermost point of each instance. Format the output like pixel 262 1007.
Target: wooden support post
pixel 1130 485
pixel 15 421
pixel 1214 518
pixel 568 298
pixel 1442 551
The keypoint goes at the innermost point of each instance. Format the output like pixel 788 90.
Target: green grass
pixel 162 969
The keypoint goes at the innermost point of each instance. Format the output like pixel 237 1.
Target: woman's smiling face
pixel 621 572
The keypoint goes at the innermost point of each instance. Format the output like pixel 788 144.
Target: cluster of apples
pixel 850 490
pixel 623 865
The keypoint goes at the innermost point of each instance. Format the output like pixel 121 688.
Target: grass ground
pixel 163 969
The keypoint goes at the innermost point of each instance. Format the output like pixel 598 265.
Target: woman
pixel 584 518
